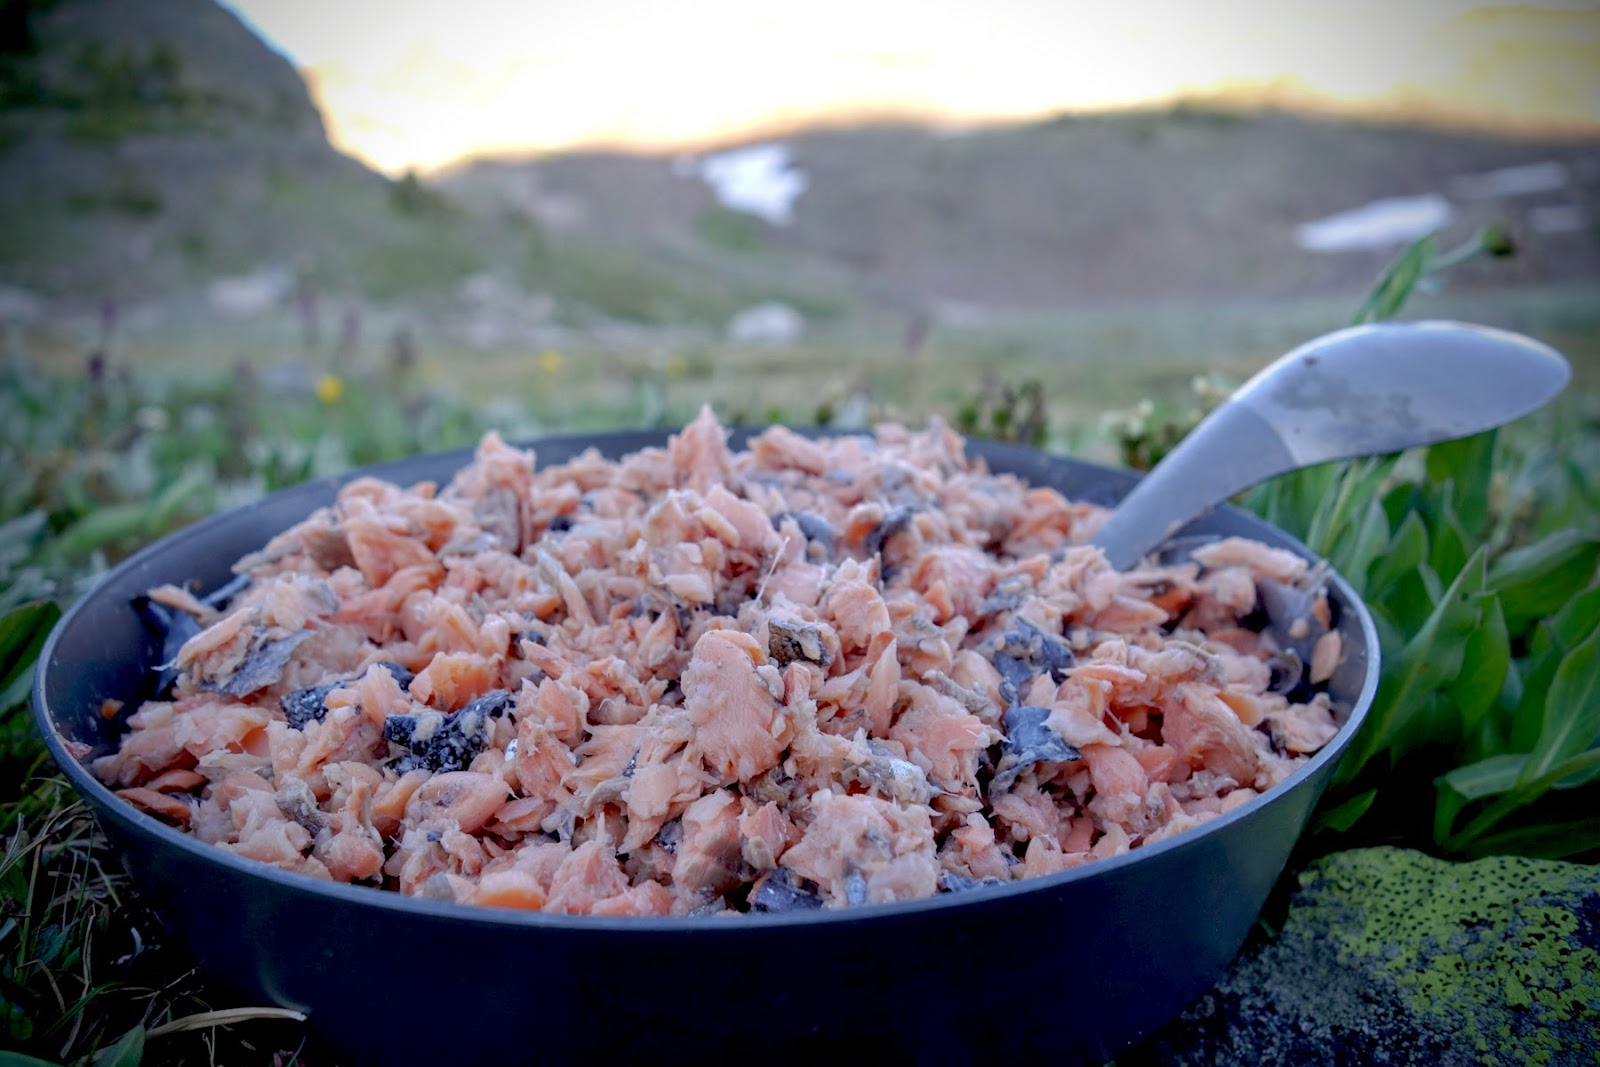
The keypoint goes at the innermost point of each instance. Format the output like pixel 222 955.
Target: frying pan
pixel 1077 965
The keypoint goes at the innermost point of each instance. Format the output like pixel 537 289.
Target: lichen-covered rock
pixel 1389 956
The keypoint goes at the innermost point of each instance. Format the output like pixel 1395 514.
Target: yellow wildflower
pixel 330 387
pixel 550 361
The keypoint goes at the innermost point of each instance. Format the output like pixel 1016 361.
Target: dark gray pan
pixel 1075 966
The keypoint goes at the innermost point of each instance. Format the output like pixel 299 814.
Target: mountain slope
pixel 1186 203
pixel 147 146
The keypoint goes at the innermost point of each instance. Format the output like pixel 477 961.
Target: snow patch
pixel 243 296
pixel 759 180
pixel 1395 220
pixel 771 325
pixel 1524 180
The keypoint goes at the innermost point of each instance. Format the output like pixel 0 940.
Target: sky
pixel 423 84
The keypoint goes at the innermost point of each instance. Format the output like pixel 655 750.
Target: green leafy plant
pixel 100 464
pixel 1006 413
pixel 1478 558
pixel 1480 570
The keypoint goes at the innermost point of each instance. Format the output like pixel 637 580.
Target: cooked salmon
pixel 697 680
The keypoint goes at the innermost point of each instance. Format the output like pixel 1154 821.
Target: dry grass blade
pixel 223 1017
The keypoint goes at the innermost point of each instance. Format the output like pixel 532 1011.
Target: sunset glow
pixel 424 85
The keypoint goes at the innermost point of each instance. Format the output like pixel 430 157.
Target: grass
pixel 105 461
pixel 84 974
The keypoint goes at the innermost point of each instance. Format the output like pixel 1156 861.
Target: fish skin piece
pixel 402 676
pixel 173 628
pixel 855 888
pixel 263 666
pixel 303 706
pixel 1025 651
pixel 898 519
pixel 1028 741
pixel 1295 626
pixel 454 741
pixel 783 891
pixel 791 639
pixel 817 530
pixel 951 882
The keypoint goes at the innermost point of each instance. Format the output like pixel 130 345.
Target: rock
pixel 500 313
pixel 486 289
pixel 1389 956
pixel 19 305
pixel 770 324
pixel 243 296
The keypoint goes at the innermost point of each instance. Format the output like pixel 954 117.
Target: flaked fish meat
pixel 826 673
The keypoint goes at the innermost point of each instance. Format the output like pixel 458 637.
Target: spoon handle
pixel 1365 390
pixel 1233 449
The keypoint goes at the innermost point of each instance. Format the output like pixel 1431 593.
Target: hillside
pixel 155 153
pixel 152 150
pixel 1185 203
pixel 147 143
pixel 148 147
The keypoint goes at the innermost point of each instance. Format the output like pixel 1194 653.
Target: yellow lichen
pixel 1507 945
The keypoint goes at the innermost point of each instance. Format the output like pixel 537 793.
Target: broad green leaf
pixel 1394 288
pixel 1526 792
pixel 194 481
pixel 19 535
pixel 52 939
pixel 1578 618
pixel 1485 662
pixel 16 1023
pixel 1433 583
pixel 105 525
pixel 1581 778
pixel 1571 710
pixel 1584 485
pixel 22 633
pixel 1538 579
pixel 1407 550
pixel 1486 778
pixel 1437 648
pixel 1391 639
pixel 1447 549
pixel 1355 485
pixel 1552 640
pixel 1511 694
pixel 1468 464
pixel 1291 501
pixel 17 1059
pixel 125 1053
pixel 1410 599
pixel 1400 501
pixel 1346 813
pixel 1267 501
pixel 1549 841
pixel 1411 680
pixel 1367 540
